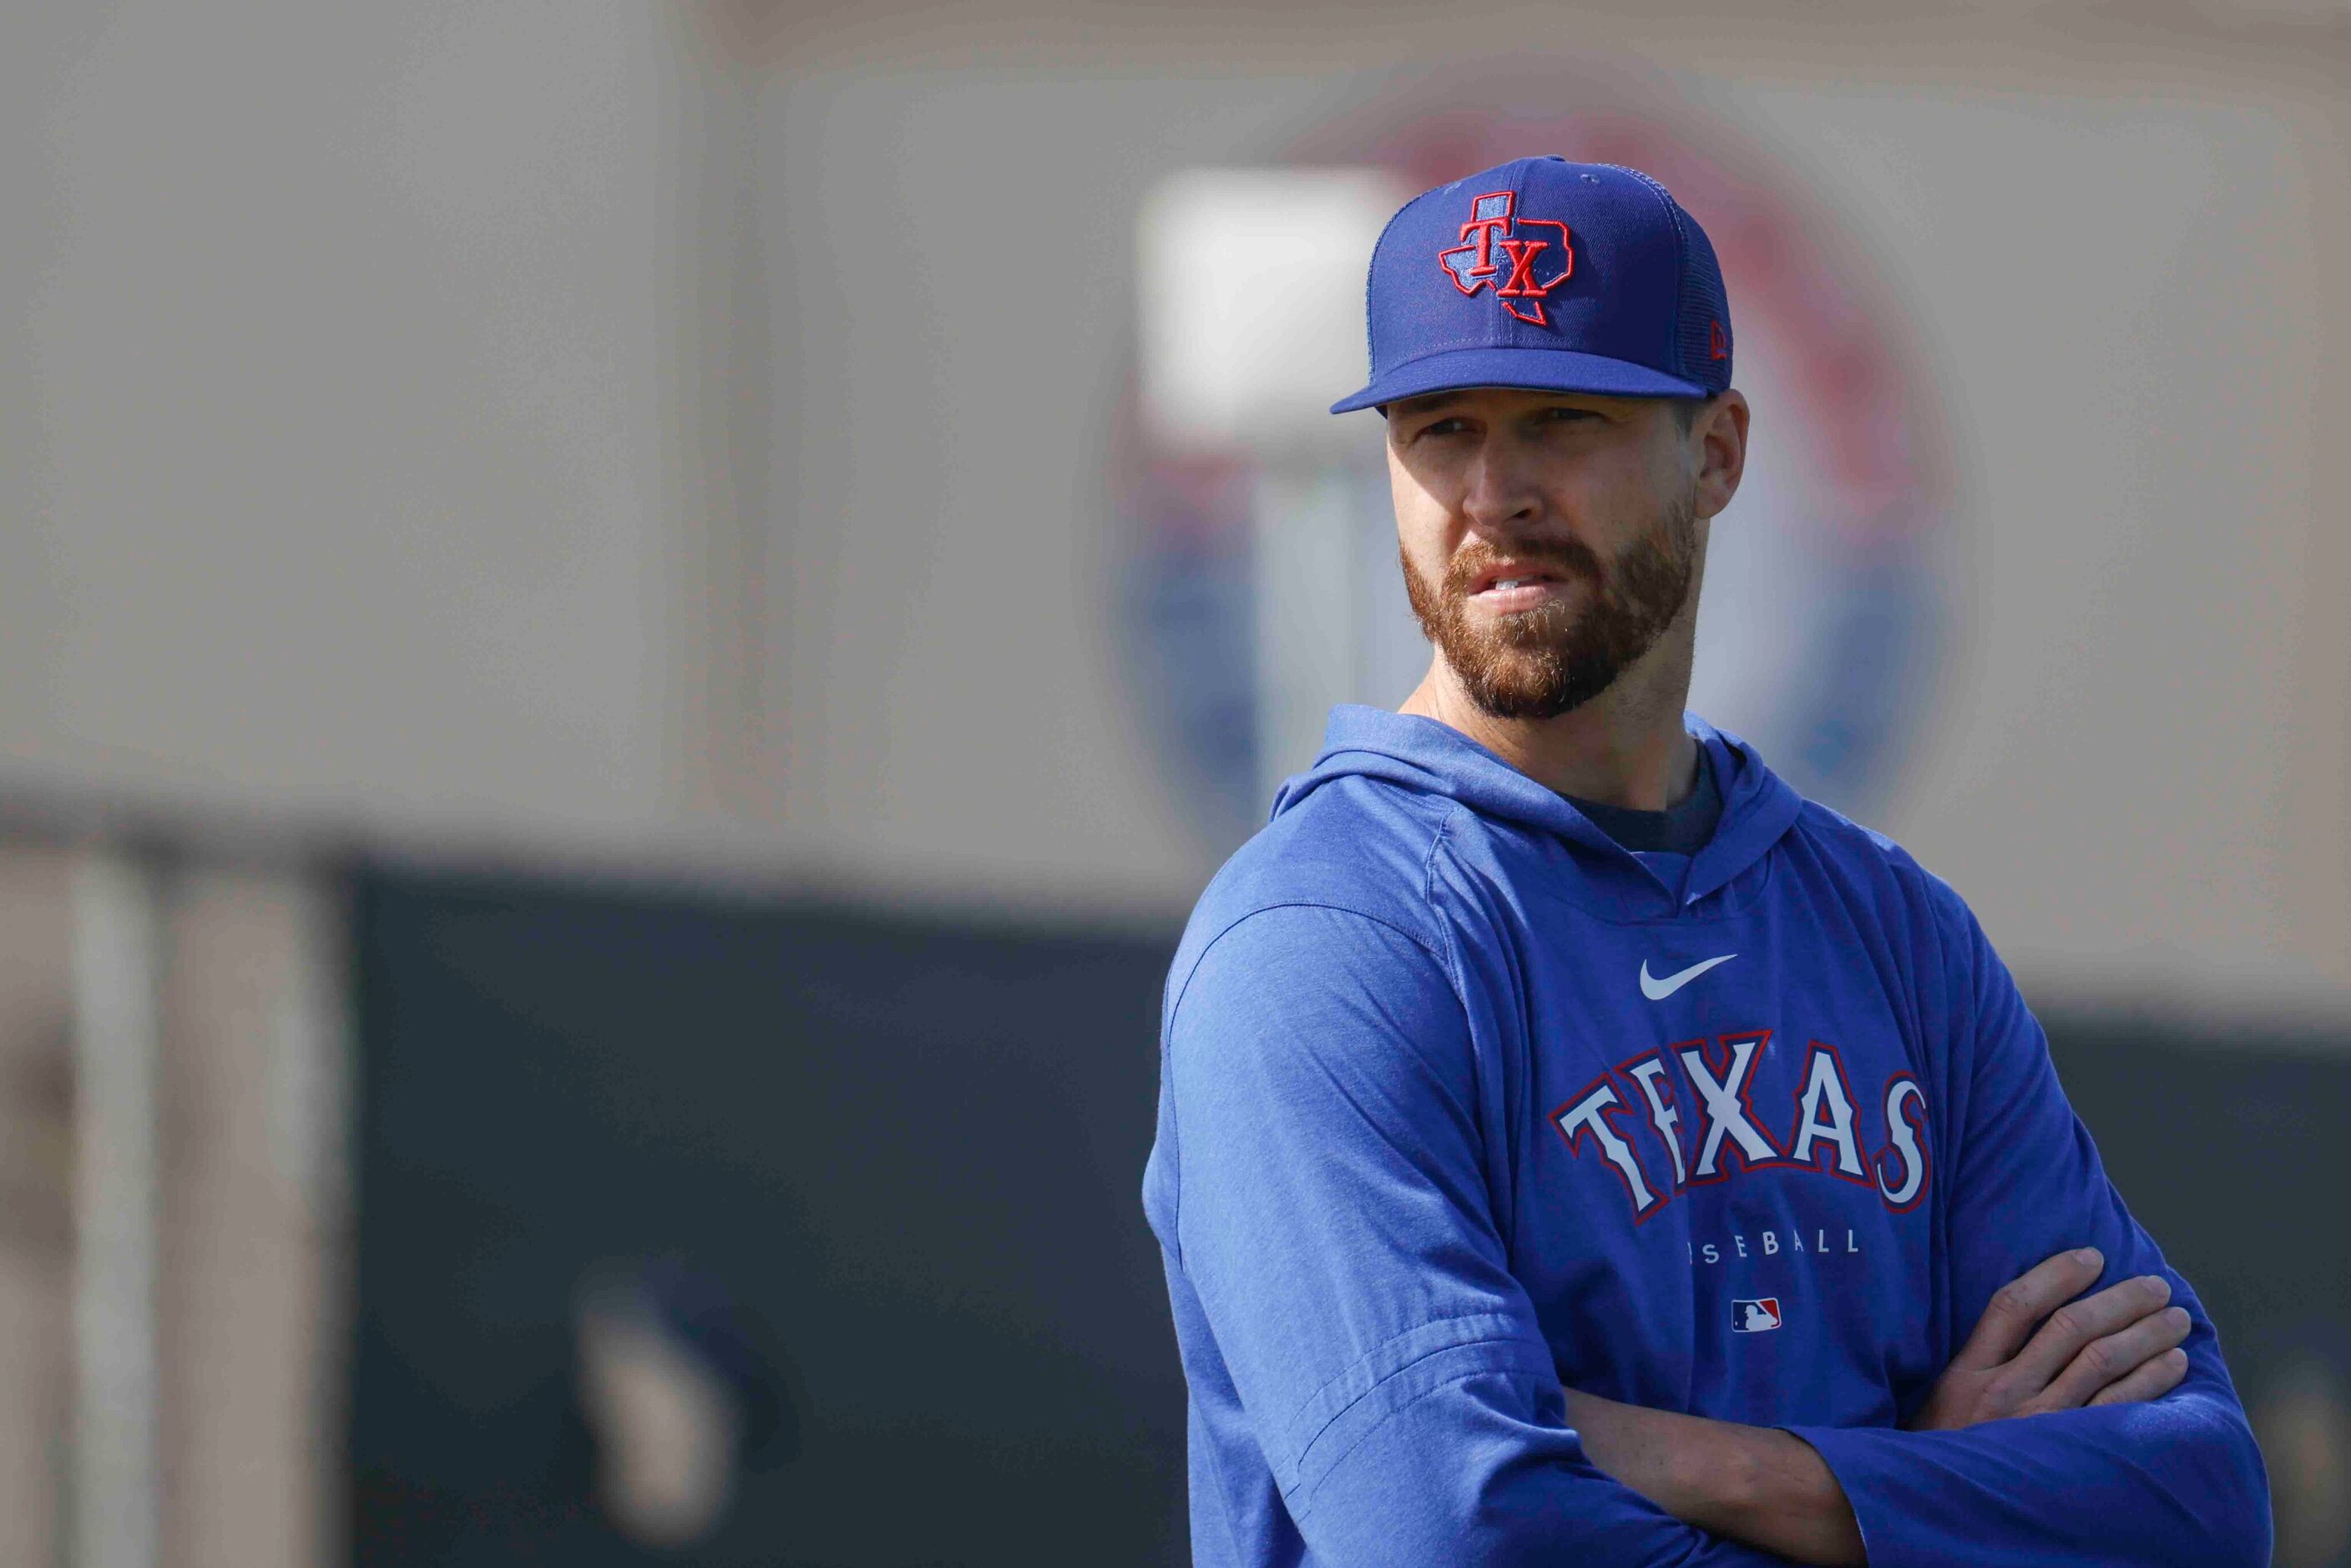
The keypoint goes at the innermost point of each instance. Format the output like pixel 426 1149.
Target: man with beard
pixel 1574 1146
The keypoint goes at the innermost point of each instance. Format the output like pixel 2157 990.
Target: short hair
pixel 1687 409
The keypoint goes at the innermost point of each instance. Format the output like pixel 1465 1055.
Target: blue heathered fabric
pixel 1426 1150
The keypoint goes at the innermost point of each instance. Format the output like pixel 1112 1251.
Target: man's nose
pixel 1498 491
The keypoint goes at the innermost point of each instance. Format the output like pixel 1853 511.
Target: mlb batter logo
pixel 1755 1317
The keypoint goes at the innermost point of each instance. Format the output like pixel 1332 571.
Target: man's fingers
pixel 2151 1380
pixel 2072 1326
pixel 2103 1363
pixel 2018 1306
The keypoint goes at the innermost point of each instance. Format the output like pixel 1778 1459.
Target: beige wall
pixel 366 412
pixel 248 1240
pixel 2138 767
pixel 674 438
pixel 255 1225
pixel 36 1245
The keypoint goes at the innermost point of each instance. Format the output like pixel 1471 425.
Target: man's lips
pixel 1508 587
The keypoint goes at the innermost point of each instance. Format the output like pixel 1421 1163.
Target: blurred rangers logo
pixel 1492 228
pixel 1755 1317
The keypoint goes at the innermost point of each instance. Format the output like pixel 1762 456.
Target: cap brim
pixel 1533 370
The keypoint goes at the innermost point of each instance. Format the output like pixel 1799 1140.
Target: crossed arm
pixel 1333 1234
pixel 1772 1490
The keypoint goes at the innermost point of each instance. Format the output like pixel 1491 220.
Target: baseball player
pixel 1573 1145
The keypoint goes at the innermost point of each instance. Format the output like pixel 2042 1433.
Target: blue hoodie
pixel 1459 1101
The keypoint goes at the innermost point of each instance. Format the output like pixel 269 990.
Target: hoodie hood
pixel 1431 758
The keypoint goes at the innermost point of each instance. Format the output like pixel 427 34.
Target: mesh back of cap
pixel 1705 308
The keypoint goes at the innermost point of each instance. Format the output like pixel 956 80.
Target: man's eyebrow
pixel 1426 404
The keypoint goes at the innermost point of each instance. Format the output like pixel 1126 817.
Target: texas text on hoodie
pixel 1459 1101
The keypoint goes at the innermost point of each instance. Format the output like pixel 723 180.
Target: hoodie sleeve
pixel 2176 1481
pixel 1333 1221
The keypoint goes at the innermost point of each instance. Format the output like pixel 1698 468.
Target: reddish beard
pixel 1543 662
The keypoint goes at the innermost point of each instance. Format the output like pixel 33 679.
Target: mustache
pixel 1571 558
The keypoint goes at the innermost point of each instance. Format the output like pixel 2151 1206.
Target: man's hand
pixel 2118 1347
pixel 1772 1490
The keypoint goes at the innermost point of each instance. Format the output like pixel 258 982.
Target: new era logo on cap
pixel 1543 274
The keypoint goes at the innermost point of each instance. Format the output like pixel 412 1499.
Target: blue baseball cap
pixel 1548 275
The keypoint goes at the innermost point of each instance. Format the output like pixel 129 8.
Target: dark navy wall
pixel 911 1151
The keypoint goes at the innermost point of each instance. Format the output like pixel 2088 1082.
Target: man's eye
pixel 1445 427
pixel 1567 415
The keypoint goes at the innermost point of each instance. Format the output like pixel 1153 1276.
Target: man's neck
pixel 1625 747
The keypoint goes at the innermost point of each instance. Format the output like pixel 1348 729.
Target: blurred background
pixel 628 629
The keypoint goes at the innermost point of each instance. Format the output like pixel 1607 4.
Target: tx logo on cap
pixel 1493 228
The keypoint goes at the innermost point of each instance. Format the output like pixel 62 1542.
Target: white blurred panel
pixel 1252 301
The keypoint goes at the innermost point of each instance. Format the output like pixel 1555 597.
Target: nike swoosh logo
pixel 1659 988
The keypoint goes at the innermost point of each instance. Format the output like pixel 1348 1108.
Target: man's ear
pixel 1721 438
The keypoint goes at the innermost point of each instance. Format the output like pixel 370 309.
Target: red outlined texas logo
pixel 1490 240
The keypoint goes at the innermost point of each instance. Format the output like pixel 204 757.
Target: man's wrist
pixel 1772 1488
pixel 1757 1485
pixel 1718 1476
pixel 1704 1472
